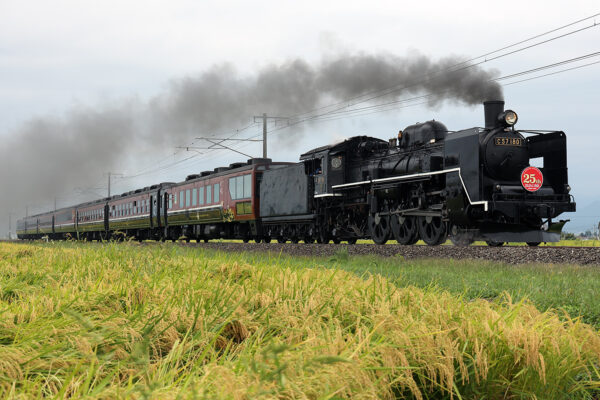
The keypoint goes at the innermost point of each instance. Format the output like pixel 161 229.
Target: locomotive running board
pixel 413 176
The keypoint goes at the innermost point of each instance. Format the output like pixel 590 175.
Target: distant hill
pixel 586 217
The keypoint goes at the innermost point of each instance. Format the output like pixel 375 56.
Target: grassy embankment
pixel 165 321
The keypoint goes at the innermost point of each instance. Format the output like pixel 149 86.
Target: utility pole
pixel 109 175
pixel 9 226
pixel 218 143
pixel 264 135
pixel 264 118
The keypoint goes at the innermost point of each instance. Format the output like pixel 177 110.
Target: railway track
pixel 508 254
pixel 505 254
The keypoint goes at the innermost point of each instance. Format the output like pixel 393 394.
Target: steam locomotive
pixel 427 183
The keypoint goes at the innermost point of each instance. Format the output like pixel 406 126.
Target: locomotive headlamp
pixel 508 117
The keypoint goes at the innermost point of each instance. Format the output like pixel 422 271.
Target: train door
pixel 165 207
pixel 151 210
pixel 76 217
pixel 106 215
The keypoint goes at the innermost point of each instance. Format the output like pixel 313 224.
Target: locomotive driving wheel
pixel 432 230
pixel 379 228
pixel 404 229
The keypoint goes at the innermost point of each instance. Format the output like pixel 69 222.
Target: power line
pixel 375 106
pixel 552 73
pixel 344 112
pixel 451 68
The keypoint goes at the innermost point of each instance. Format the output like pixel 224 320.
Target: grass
pixel 121 320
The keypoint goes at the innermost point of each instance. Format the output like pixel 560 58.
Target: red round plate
pixel 532 179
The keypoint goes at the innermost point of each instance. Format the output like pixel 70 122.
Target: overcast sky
pixel 64 55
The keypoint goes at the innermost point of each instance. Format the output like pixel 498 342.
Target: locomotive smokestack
pixel 492 109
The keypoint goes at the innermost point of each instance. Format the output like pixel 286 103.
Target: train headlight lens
pixel 510 117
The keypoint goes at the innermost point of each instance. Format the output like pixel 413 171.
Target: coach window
pixel 194 196
pixel 239 187
pixel 170 201
pixel 247 186
pixel 181 200
pixel 208 194
pixel 187 198
pixel 217 190
pixel 232 188
pixel 201 195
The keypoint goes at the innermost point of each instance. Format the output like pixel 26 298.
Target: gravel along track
pixel 508 254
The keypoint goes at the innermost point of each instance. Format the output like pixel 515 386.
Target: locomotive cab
pixel 327 165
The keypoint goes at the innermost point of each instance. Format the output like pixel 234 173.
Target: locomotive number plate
pixel 506 141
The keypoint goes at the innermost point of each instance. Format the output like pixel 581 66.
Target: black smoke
pixel 50 156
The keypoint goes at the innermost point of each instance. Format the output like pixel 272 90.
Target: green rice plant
pixel 122 320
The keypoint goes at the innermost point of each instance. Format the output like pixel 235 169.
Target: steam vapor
pixel 51 156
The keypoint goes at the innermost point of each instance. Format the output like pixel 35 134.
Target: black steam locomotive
pixel 428 183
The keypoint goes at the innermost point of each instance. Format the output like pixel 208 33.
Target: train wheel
pixel 404 229
pixel 432 230
pixel 491 243
pixel 267 239
pixel 308 240
pixel 295 240
pixel 245 240
pixel 206 240
pixel 533 244
pixel 281 240
pixel 337 241
pixel 379 228
pixel 352 241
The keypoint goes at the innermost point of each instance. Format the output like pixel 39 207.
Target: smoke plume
pixel 51 156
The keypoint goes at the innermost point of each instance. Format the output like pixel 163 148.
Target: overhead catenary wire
pixel 344 112
pixel 392 105
pixel 466 63
pixel 471 59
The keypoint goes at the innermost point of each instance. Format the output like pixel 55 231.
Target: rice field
pixel 129 321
